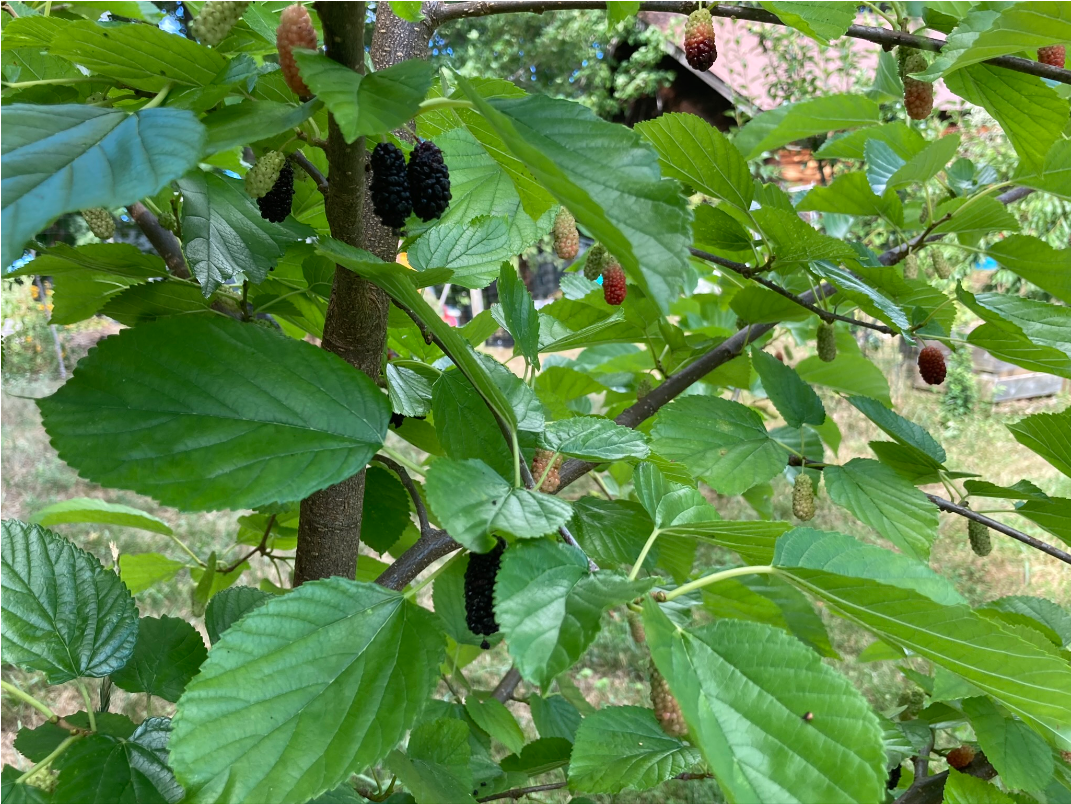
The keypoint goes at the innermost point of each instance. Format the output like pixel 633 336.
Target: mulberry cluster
pixel 911 267
pixel 932 365
pixel 540 462
pixel 894 778
pixel 597 259
pixel 215 21
pixel 390 185
pixel 480 591
pixel 295 31
pixel 429 181
pixel 981 543
pixel 913 700
pixel 918 95
pixel 261 178
pixel 566 237
pixel 635 627
pixel 613 284
pixel 275 205
pixel 699 46
pixel 960 758
pixel 666 708
pixel 101 223
pixel 803 497
pixel 167 220
pixel 827 342
pixel 1053 55
pixel 941 266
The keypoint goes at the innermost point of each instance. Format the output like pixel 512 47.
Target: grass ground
pixel 614 669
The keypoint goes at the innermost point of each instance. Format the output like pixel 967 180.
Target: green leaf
pixel 323 681
pixel 1029 680
pixel 1020 754
pixel 978 215
pixel 882 499
pixel 36 744
pixel 745 690
pixel 591 438
pixel 140 56
pixel 962 788
pixel 101 769
pixel 141 304
pixel 1054 515
pixel 275 419
pixel 904 431
pixel 473 501
pixel 408 10
pixel 230 126
pixel 453 400
pixel 1037 262
pixel 492 716
pixel 229 606
pixel 881 163
pixel 85 509
pixel 619 12
pixel 1030 112
pixel 795 121
pixel 1043 613
pixel 539 756
pixel 1020 26
pixel 59 159
pixel 752 540
pixel 624 748
pixel 366 105
pixel 794 399
pixel 851 194
pixel 224 235
pixel 167 655
pixel 795 242
pixel 409 387
pixel 1013 347
pixel 519 310
pixel 901 138
pixel 1047 434
pixel 820 21
pixel 1044 324
pixel 548 605
pixel 383 523
pixel 141 571
pixel 850 372
pixel 643 220
pixel 717 230
pixel 435 766
pixel 612 532
pixel 721 441
pixel 63 613
pixel 554 716
pixel 768 599
pixel 926 164
pixel 394 280
pixel 692 150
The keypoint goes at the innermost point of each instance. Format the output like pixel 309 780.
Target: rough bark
pixel 356 323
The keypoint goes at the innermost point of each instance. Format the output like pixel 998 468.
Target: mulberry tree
pixel 282 357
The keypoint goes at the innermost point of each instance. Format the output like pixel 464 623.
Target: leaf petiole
pixel 724 575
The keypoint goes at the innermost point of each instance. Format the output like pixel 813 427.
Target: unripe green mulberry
pixel 666 708
pixel 978 533
pixel 827 342
pixel 803 497
pixel 941 266
pixel 566 237
pixel 597 259
pixel 911 267
pixel 167 220
pixel 262 176
pixel 215 21
pixel 644 388
pixel 101 223
pixel 635 627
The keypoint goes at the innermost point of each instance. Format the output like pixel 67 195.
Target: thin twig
pixel 428 549
pixel 520 792
pixel 1000 527
pixel 504 690
pixel 165 243
pixel 260 548
pixel 410 486
pixel 439 13
pixel 298 158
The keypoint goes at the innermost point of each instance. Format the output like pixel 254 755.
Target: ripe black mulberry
pixel 261 178
pixel 390 185
pixel 429 181
pixel 276 204
pixel 480 591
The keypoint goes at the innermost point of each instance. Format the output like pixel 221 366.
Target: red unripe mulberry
pixel 295 30
pixel 699 46
pixel 932 365
pixel 613 284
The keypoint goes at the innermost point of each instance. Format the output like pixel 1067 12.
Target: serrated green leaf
pixel 926 164
pixel 1027 679
pixel 643 220
pixel 1037 262
pixel 1030 112
pixel 473 502
pixel 851 194
pixel 85 509
pixel 1013 347
pixel 275 420
pixel 1020 754
pixel 1047 434
pixel 141 304
pixel 624 748
pixel 453 399
pixel 822 22
pixel 591 438
pixel 795 242
pixel 100 769
pixel 795 121
pixel 879 497
pixel 366 105
pixel 612 532
pixel 901 138
pixel 36 744
pixel 692 150
pixel 882 162
pixel 717 230
pixel 978 215
pixel 1020 26
pixel 539 756
pixel 230 126
pixel 554 716
pixel 58 159
pixel 167 655
pixel 435 766
pixel 794 399
pixel 548 605
pixel 383 523
pixel 141 571
pixel 63 613
pixel 1043 612
pixel 721 441
pixel 904 431
pixel 230 605
pixel 962 788
pixel 492 716
pixel 316 681
pixel 409 387
pixel 745 690
pixel 752 540
pixel 224 235
pixel 520 313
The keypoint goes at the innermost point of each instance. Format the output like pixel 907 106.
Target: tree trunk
pixel 356 324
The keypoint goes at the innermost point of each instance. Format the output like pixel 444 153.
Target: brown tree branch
pixel 930 789
pixel 414 492
pixel 428 549
pixel 521 792
pixel 165 243
pixel 509 682
pixel 302 161
pixel 440 13
pixel 1000 527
